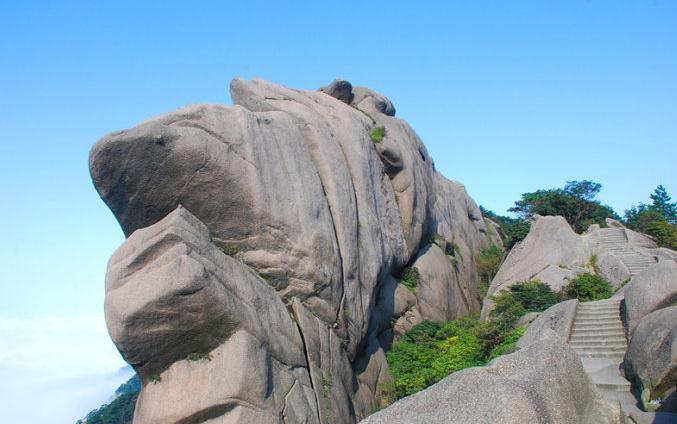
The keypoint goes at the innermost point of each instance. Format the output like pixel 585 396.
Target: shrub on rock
pixel 588 287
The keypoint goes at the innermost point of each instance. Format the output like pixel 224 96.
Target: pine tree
pixel 663 205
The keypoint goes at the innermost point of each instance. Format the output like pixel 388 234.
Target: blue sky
pixel 509 97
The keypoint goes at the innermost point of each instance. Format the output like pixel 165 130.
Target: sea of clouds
pixel 55 369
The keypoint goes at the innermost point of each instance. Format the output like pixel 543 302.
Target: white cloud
pixel 56 369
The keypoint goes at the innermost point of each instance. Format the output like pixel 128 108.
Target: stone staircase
pixel 616 241
pixel 598 337
pixel 598 330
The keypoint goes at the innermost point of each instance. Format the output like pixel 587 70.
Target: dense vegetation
pixel 488 261
pixel 121 409
pixel 588 287
pixel 659 219
pixel 409 278
pixel 430 351
pixel 575 202
pixel 514 229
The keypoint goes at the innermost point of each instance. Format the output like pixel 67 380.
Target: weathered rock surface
pixel 188 317
pixel 651 359
pixel 558 318
pixel 315 218
pixel 541 383
pixel 653 289
pixel 552 252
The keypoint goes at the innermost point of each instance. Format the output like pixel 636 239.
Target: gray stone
pixel 651 359
pixel 558 318
pixel 372 102
pixel 527 319
pixel 340 89
pixel 312 215
pixel 552 253
pixel 542 383
pixel 653 289
pixel 440 295
pixel 177 308
pixel 333 380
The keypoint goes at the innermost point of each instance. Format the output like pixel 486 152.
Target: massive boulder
pixel 541 383
pixel 316 220
pixel 651 359
pixel 653 289
pixel 205 333
pixel 552 253
pixel 558 318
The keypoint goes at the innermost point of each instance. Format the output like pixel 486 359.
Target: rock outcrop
pixel 552 252
pixel 270 236
pixel 541 383
pixel 558 318
pixel 651 290
pixel 651 359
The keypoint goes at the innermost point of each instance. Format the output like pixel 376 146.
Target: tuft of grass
pixel 230 249
pixel 195 357
pixel 593 263
pixel 409 278
pixel 378 134
pixel 155 378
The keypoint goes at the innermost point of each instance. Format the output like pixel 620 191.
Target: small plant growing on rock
pixel 593 263
pixel 195 357
pixel 488 262
pixel 409 278
pixel 378 134
pixel 230 249
pixel 155 378
pixel 587 287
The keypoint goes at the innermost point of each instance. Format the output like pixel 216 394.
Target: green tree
pixel 488 262
pixel 659 220
pixel 664 233
pixel 663 205
pixel 514 229
pixel 575 202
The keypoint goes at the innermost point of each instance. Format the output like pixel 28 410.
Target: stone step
pixel 600 349
pixel 600 309
pixel 614 356
pixel 597 334
pixel 615 342
pixel 597 306
pixel 596 325
pixel 583 338
pixel 596 320
pixel 603 333
pixel 605 302
pixel 593 313
pixel 607 339
pixel 614 387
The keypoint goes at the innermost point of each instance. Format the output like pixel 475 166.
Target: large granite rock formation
pixel 651 359
pixel 542 383
pixel 314 220
pixel 651 290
